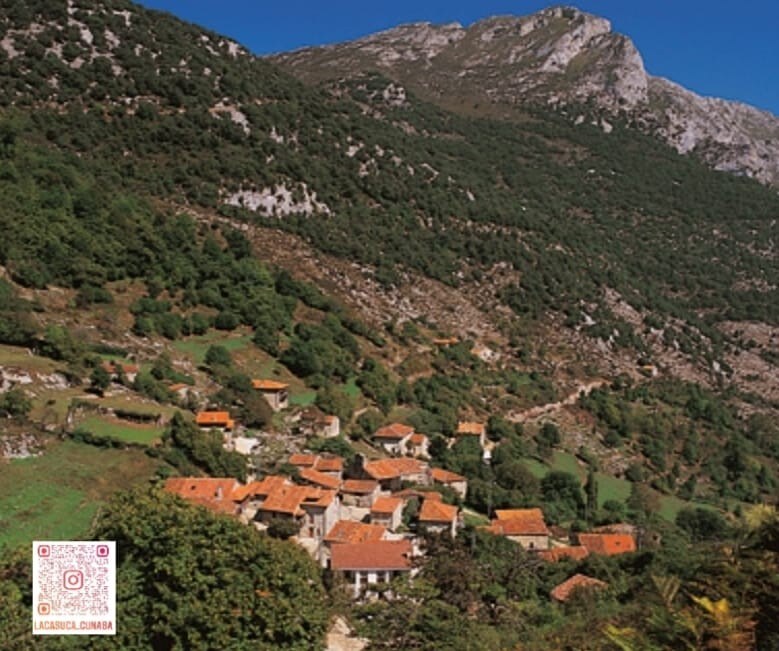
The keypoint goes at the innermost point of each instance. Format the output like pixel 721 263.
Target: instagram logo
pixel 102 551
pixel 73 579
pixel 44 609
pixel 44 551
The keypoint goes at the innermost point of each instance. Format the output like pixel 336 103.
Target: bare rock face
pixel 561 57
pixel 730 136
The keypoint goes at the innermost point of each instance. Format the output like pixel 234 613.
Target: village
pixel 366 520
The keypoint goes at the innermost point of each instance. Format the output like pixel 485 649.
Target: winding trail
pixel 570 399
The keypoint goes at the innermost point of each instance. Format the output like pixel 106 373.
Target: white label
pixel 73 587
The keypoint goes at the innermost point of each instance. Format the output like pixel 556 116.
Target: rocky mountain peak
pixel 562 57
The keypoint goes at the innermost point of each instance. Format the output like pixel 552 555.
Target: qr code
pixel 74 587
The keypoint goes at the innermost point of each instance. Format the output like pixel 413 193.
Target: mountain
pixel 563 58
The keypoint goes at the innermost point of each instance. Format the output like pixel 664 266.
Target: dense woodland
pixel 105 178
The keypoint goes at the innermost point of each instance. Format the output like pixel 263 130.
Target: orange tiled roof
pixel 216 494
pixel 378 555
pixel 320 479
pixel 217 418
pixel 445 476
pixel 418 439
pixel 519 522
pixel 359 486
pixel 386 505
pixel 471 429
pixel 391 468
pixel 435 511
pixel 555 554
pixel 262 488
pixel 394 431
pixel 329 464
pixel 304 460
pixel 291 499
pixel 446 341
pixel 608 544
pixel 269 385
pixel 564 591
pixel 178 387
pixel 349 531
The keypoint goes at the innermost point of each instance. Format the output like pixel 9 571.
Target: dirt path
pixel 570 399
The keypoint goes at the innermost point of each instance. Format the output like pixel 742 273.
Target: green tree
pixel 100 379
pixel 217 355
pixel 247 591
pixel 591 495
pixel 15 403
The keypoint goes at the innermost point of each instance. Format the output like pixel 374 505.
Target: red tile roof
pixel 559 553
pixel 392 468
pixel 348 531
pixel 418 439
pixel 608 544
pixel 305 460
pixel 519 522
pixel 445 477
pixel 217 494
pixel 386 505
pixel 329 464
pixel 564 591
pixel 471 429
pixel 269 385
pixel 213 419
pixel 359 486
pixel 395 431
pixel 435 511
pixel 262 488
pixel 292 499
pixel 446 341
pixel 320 479
pixel 378 555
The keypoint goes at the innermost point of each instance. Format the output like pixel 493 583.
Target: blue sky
pixel 721 48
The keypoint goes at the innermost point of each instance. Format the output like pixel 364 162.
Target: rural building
pixel 523 526
pixel 457 483
pixel 313 422
pixel 467 428
pixel 276 393
pixel 329 464
pixel 418 445
pixel 391 473
pixel 387 512
pixel 116 370
pixel 394 438
pixel 437 517
pixel 371 563
pixel 360 492
pixel 321 479
pixel 215 420
pixel 216 494
pixel 607 544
